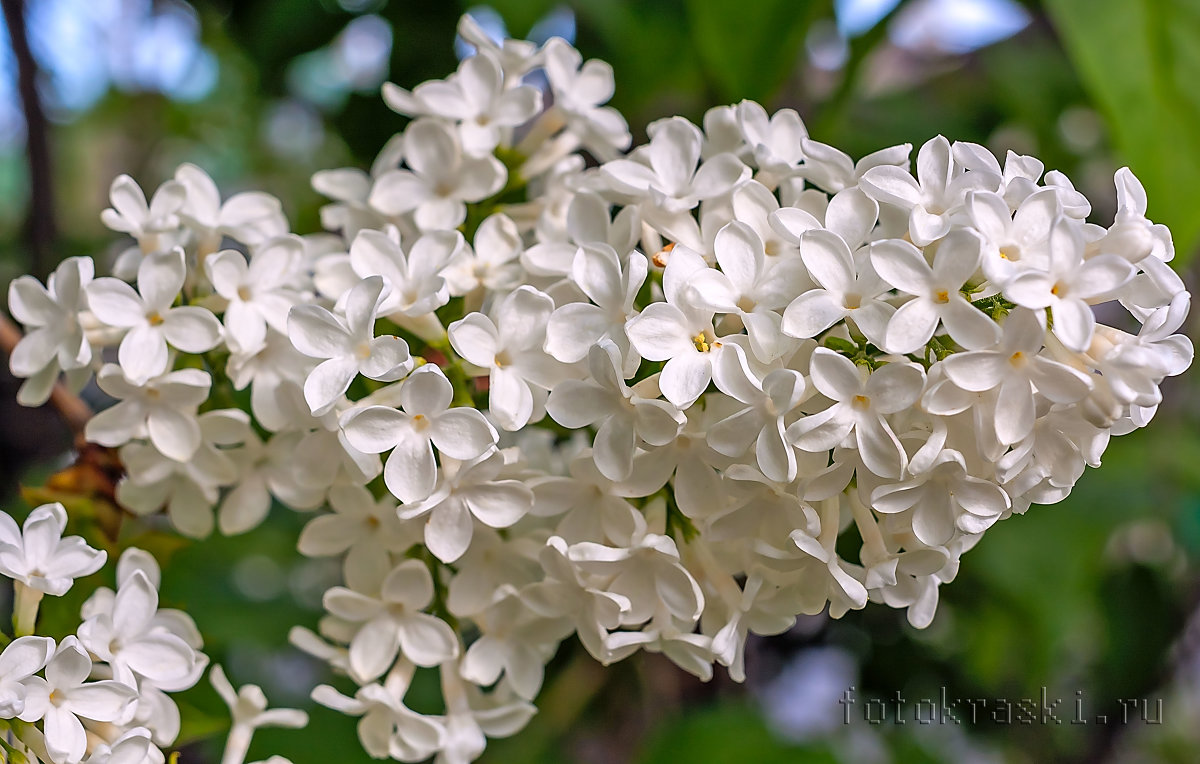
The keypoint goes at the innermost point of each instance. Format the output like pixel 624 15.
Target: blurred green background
pixel 1093 601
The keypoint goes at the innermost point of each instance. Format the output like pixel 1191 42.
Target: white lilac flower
pixel 162 409
pixel 347 343
pixel 128 639
pixel 848 290
pixel 612 287
pixel 943 498
pixel 20 660
pixel 366 530
pixel 39 557
pixel 426 421
pixel 439 180
pixel 759 427
pixel 149 317
pixel 250 217
pixel 391 620
pixel 622 417
pixel 930 199
pixel 750 286
pixel 665 178
pixel 189 489
pixel 70 697
pixel 508 343
pixel 416 286
pixel 155 226
pixel 777 141
pixel 491 264
pixel 387 727
pixel 258 292
pixel 834 171
pixel 54 340
pixel 1016 366
pixel 1012 241
pixel 586 222
pixel 468 491
pixel 132 747
pixel 679 331
pixel 580 89
pixel 936 291
pixel 1069 284
pixel 861 402
pixel 248 707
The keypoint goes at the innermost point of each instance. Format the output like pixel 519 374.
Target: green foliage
pixel 1141 64
pixel 749 49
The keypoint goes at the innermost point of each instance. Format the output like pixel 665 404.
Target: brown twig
pixel 39 225
pixel 74 412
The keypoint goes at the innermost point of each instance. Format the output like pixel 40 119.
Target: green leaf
pixel 749 48
pixel 1140 63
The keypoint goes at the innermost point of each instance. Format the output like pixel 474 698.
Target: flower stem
pixel 25 609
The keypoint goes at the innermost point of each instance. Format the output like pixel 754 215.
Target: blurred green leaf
pixel 1141 64
pixel 748 49
pixel 724 733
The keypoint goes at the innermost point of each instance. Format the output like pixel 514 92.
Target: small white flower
pixel 69 696
pixel 348 344
pixel 128 639
pixel 930 198
pixel 19 661
pixel 943 500
pixel 258 292
pixel 393 621
pixel 162 408
pixel 623 418
pixel 1070 284
pixel 388 727
pixel 415 284
pixel 936 291
pixel 580 90
pixel 849 290
pixel 250 217
pixel 576 327
pixel 149 317
pixel 248 707
pixel 759 427
pixel 1016 367
pixel 39 557
pixel 54 338
pixel 440 179
pixel 467 491
pixel 861 401
pixel 426 421
pixel 679 331
pixel 509 344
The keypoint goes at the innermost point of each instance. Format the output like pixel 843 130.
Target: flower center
pixel 154 318
pixel 746 305
pixel 704 343
pixel 860 402
pixel 852 301
pixel 1059 289
pixel 1017 359
pixel 502 359
pixel 363 351
pixel 1010 252
pixel 243 293
pixel 420 422
pixel 941 296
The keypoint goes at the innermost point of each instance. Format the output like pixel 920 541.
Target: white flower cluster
pixel 102 692
pixel 651 402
